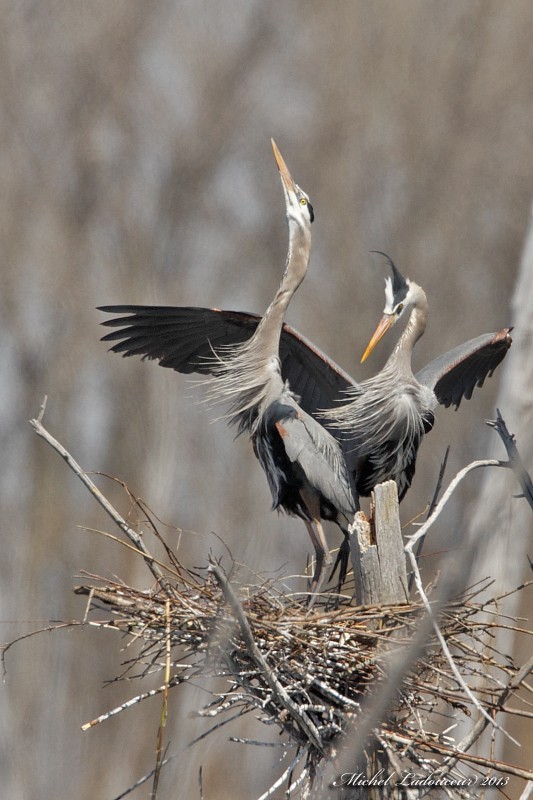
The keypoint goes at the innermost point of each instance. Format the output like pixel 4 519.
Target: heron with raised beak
pixel 303 462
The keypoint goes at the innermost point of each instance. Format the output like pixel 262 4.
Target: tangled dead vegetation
pixel 311 674
pixel 386 700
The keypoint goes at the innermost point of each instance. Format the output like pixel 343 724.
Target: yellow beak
pixel 286 176
pixel 386 322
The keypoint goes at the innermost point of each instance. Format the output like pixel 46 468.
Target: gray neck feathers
pixel 389 407
pixel 400 358
pixel 247 376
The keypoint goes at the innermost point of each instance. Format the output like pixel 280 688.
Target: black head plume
pixel 400 287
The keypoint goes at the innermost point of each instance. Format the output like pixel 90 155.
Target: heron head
pixel 297 201
pixel 398 297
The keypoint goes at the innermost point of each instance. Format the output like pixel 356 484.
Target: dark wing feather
pixel 184 338
pixel 454 375
pixel 317 380
pixel 180 338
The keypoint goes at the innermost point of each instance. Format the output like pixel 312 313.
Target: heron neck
pixel 269 329
pixel 416 325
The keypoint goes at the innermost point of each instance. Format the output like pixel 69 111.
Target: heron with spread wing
pixel 386 416
pixel 183 338
pixel 303 462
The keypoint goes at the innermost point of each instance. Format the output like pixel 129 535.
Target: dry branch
pixel 515 462
pixel 133 536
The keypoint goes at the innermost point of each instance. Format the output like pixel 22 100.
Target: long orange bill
pixel 386 322
pixel 283 171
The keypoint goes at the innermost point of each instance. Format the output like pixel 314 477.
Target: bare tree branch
pixel 515 461
pixel 473 735
pixel 132 535
pixel 461 475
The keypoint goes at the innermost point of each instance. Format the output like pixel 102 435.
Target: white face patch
pixel 392 301
pixel 389 297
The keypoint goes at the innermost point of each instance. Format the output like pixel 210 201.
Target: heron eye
pixel 303 201
pixel 399 308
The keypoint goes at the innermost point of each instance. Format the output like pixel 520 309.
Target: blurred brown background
pixel 135 166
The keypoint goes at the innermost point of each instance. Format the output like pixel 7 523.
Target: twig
pixel 301 719
pixel 473 735
pixel 132 535
pixel 297 758
pixel 517 465
pixel 445 649
pixel 221 724
pixel 142 780
pixel 52 627
pixel 132 702
pixel 303 776
pixel 515 461
pixel 461 475
pixel 528 791
pixel 255 742
pixel 411 794
pixel 438 747
pixel 160 753
pixel 431 509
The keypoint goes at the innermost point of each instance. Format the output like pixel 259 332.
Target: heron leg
pixel 321 556
pixel 316 534
pixel 342 561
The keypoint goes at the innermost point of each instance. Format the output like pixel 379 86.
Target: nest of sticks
pixel 315 674
pixel 382 690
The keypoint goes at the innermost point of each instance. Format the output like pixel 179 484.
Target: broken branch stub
pixel 377 552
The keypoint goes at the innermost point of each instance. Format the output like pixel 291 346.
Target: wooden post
pixel 378 561
pixel 378 556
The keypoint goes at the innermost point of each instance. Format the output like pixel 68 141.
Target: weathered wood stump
pixel 377 552
pixel 380 573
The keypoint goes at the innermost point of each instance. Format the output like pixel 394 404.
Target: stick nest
pixel 342 676
pixel 313 674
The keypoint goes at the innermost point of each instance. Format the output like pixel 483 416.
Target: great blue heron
pixel 385 417
pixel 304 464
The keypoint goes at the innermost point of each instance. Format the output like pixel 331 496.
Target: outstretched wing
pixel 184 339
pixel 454 375
pixel 181 338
